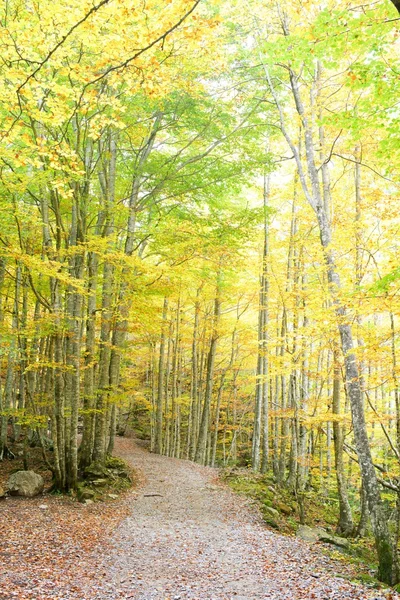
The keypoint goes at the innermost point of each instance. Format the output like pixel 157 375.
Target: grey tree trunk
pixel 158 441
pixel 4 418
pixel 8 392
pixel 345 524
pixel 261 424
pixel 86 447
pixel 108 185
pixel 174 387
pixel 194 394
pixel 201 448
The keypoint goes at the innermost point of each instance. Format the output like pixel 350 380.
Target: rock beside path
pixel 336 540
pixel 25 483
pixel 317 534
pixel 309 534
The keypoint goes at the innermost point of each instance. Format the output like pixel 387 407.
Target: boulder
pixel 283 508
pixel 317 534
pixel 310 534
pixel 25 483
pixel 271 511
pixel 84 493
pixel 335 540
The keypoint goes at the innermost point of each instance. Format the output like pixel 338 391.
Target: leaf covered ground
pixel 182 535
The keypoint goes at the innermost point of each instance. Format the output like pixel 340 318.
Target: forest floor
pixel 181 535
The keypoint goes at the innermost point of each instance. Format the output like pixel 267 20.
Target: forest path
pixel 188 537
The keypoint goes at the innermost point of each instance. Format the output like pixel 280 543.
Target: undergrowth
pixel 280 510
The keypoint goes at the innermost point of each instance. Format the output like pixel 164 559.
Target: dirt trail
pixel 179 536
pixel 190 538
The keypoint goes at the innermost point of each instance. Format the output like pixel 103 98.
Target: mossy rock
pixel 267 502
pixel 96 471
pixel 272 512
pixel 335 540
pixel 84 493
pixel 283 508
pixel 100 482
pixel 122 473
pixel 113 462
pixel 265 494
pixel 270 521
pixel 114 473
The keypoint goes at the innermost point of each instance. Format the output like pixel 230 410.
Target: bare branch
pixel 357 162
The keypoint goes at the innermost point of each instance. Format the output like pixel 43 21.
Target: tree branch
pixel 93 10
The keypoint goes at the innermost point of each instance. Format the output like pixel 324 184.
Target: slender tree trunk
pixel 194 393
pixel 345 524
pixel 11 363
pixel 200 455
pixel 4 417
pixel 158 443
pixel 261 416
pixel 174 390
pixel 100 431
pixel 86 448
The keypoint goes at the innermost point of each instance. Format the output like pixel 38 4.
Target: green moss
pixel 386 567
pixel 283 508
pixel 100 480
pixel 113 462
pixel 368 580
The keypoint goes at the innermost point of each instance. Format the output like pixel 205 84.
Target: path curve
pixel 190 538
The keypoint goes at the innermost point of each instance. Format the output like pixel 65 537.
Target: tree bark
pixel 345 524
pixel 200 455
pixel 158 441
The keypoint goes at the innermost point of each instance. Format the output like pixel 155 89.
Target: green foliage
pixel 385 283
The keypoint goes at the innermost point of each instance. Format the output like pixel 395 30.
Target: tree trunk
pixel 200 455
pixel 345 524
pixel 158 441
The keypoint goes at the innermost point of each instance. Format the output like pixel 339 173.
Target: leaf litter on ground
pixel 173 538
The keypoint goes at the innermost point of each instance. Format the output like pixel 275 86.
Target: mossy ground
pixel 267 494
pixel 118 476
pixel 321 511
pixel 103 482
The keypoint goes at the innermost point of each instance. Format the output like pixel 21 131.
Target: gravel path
pixel 190 538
